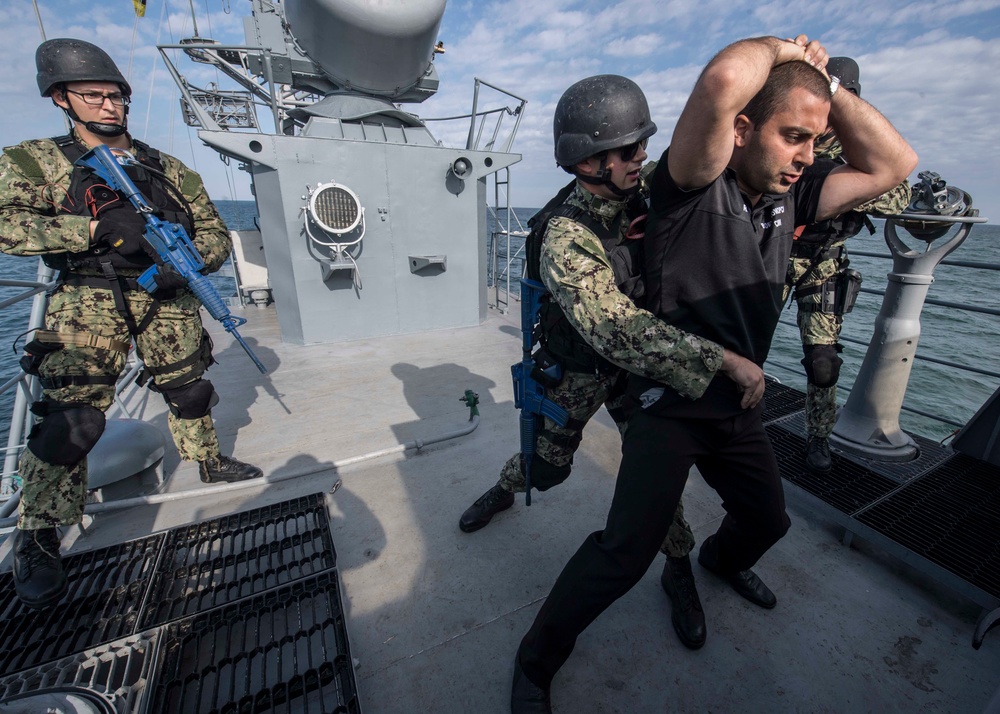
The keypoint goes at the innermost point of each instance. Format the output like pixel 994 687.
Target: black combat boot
pixel 225 469
pixel 744 582
pixel 39 579
pixel 686 614
pixel 818 455
pixel 486 506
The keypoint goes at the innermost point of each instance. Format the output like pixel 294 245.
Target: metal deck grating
pixel 258 591
pixel 220 561
pixel 931 454
pixel 283 651
pixel 951 517
pixel 105 590
pixel 848 487
pixel 780 401
pixel 118 671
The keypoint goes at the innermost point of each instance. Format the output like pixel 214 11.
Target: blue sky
pixel 933 68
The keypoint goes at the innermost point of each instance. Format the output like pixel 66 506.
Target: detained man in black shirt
pixel 725 201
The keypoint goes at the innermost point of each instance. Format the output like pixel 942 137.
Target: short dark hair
pixel 780 81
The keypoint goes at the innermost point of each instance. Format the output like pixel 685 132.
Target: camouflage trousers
pixel 581 395
pixel 52 494
pixel 816 328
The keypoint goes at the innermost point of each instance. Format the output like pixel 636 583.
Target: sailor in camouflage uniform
pixel 94 237
pixel 587 258
pixel 824 288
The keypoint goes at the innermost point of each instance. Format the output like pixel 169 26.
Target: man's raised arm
pixel 702 143
pixel 878 157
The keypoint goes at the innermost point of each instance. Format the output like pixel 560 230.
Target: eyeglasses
pixel 96 99
pixel 628 152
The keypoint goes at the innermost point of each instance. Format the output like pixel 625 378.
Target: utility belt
pixel 99 281
pixel 48 341
pixel 817 252
pixel 838 294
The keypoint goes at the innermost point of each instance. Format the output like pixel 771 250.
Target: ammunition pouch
pixel 35 353
pixel 547 371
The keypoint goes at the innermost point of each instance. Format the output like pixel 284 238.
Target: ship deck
pixel 434 615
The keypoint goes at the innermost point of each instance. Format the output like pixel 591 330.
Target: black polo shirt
pixel 715 265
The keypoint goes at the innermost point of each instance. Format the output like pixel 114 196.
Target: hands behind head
pixel 812 52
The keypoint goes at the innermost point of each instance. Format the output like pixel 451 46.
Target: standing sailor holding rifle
pixel 67 213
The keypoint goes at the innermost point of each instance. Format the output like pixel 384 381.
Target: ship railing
pixel 27 388
pixel 947 304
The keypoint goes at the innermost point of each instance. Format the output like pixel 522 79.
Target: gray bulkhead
pixel 415 208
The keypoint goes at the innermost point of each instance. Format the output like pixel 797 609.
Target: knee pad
pixel 66 433
pixel 545 475
pixel 192 400
pixel 822 364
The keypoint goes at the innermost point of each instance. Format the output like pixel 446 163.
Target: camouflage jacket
pixel 31 223
pixel 576 271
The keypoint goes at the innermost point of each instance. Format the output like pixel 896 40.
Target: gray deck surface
pixel 435 615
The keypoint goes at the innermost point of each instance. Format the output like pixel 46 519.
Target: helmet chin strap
pixel 603 178
pixel 108 131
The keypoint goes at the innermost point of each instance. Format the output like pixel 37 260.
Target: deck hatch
pixel 105 589
pixel 283 651
pixel 948 516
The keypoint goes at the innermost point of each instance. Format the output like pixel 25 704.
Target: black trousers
pixel 735 458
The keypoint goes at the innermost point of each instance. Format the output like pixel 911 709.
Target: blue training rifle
pixel 170 241
pixel 529 394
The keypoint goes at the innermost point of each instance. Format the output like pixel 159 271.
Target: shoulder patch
pixel 26 163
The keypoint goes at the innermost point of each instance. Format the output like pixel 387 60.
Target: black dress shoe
pixel 526 697
pixel 486 506
pixel 818 458
pixel 39 579
pixel 686 614
pixel 225 469
pixel 745 582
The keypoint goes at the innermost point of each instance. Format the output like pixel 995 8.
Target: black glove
pixel 122 229
pixel 167 278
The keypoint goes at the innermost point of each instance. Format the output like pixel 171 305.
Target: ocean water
pixel 966 338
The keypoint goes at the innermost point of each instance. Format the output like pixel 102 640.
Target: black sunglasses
pixel 628 152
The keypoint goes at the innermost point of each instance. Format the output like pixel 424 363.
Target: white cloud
pixel 929 66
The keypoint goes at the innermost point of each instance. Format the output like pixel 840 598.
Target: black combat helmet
pixel 65 60
pixel 598 114
pixel 848 71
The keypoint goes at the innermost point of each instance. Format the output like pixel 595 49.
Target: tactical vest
pixel 87 193
pixel 558 335
pixel 824 234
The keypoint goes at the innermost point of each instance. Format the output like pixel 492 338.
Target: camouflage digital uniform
pixel 823 328
pixel 578 274
pixel 31 225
